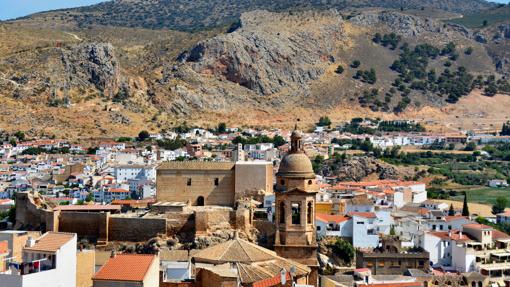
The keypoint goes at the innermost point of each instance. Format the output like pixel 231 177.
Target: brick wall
pixel 135 229
pixel 172 185
pixel 90 225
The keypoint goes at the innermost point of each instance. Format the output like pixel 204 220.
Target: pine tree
pixel 451 212
pixel 465 208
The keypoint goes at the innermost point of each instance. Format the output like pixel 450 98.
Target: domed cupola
pixel 295 165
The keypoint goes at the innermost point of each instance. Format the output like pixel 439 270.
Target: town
pixel 246 207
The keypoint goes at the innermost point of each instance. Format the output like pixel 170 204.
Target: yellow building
pixel 213 183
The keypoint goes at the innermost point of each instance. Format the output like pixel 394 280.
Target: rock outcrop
pixel 95 62
pixel 270 51
pixel 360 167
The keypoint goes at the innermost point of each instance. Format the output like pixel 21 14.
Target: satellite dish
pixel 283 277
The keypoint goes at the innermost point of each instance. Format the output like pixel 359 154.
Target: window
pixel 309 213
pixel 310 182
pixel 296 213
pixel 318 228
pixel 370 264
pixel 282 212
pixel 381 263
pixel 360 222
pixel 216 181
pixel 282 182
pixel 421 263
pixel 189 182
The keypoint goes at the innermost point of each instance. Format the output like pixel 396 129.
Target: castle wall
pixel 217 187
pixel 135 229
pixel 90 225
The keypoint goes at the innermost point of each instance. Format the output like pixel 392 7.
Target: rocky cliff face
pixel 95 63
pixel 267 59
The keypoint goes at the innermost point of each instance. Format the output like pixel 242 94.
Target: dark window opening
pixel 282 212
pixel 309 213
pixel 200 201
pixel 189 182
pixel 216 181
pixel 296 213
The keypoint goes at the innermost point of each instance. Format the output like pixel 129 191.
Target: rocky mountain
pixel 199 14
pixel 267 69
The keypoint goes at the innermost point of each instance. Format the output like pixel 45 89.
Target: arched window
pixel 309 213
pixel 296 213
pixel 282 212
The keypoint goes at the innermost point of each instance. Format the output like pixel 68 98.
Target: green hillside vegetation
pixel 200 14
pixel 484 18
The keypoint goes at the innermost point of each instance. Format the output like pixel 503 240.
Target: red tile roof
pixel 363 214
pixel 51 241
pixel 275 281
pixel 455 217
pixel 401 284
pixel 496 234
pixel 477 226
pixel 125 267
pixel 4 247
pixel 85 207
pixel 330 218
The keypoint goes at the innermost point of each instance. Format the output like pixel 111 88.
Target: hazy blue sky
pixel 16 8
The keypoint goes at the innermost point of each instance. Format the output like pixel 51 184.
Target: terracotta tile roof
pixel 444 235
pixel 196 165
pixel 51 241
pixel 506 213
pixel 330 218
pixel 95 207
pixel 125 267
pixel 118 190
pixel 455 217
pixel 254 263
pixel 477 226
pixel 363 214
pixel 4 247
pixel 497 235
pixel 401 284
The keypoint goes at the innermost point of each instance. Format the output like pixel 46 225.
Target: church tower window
pixel 296 213
pixel 282 212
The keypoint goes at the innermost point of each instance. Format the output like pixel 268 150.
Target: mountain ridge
pixel 201 14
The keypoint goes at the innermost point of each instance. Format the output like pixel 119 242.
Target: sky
pixel 10 9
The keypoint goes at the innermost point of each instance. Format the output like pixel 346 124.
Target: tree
pixel 339 69
pixel 392 231
pixel 143 135
pixel 355 64
pixel 344 250
pixel 20 135
pixel 505 131
pixel 500 205
pixel 324 121
pixel 469 51
pixel 451 211
pixel 222 128
pixel 377 38
pixel 278 140
pixel 470 146
pixel 491 89
pixel 465 207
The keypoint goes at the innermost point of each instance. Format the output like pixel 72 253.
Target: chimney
pixel 30 242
